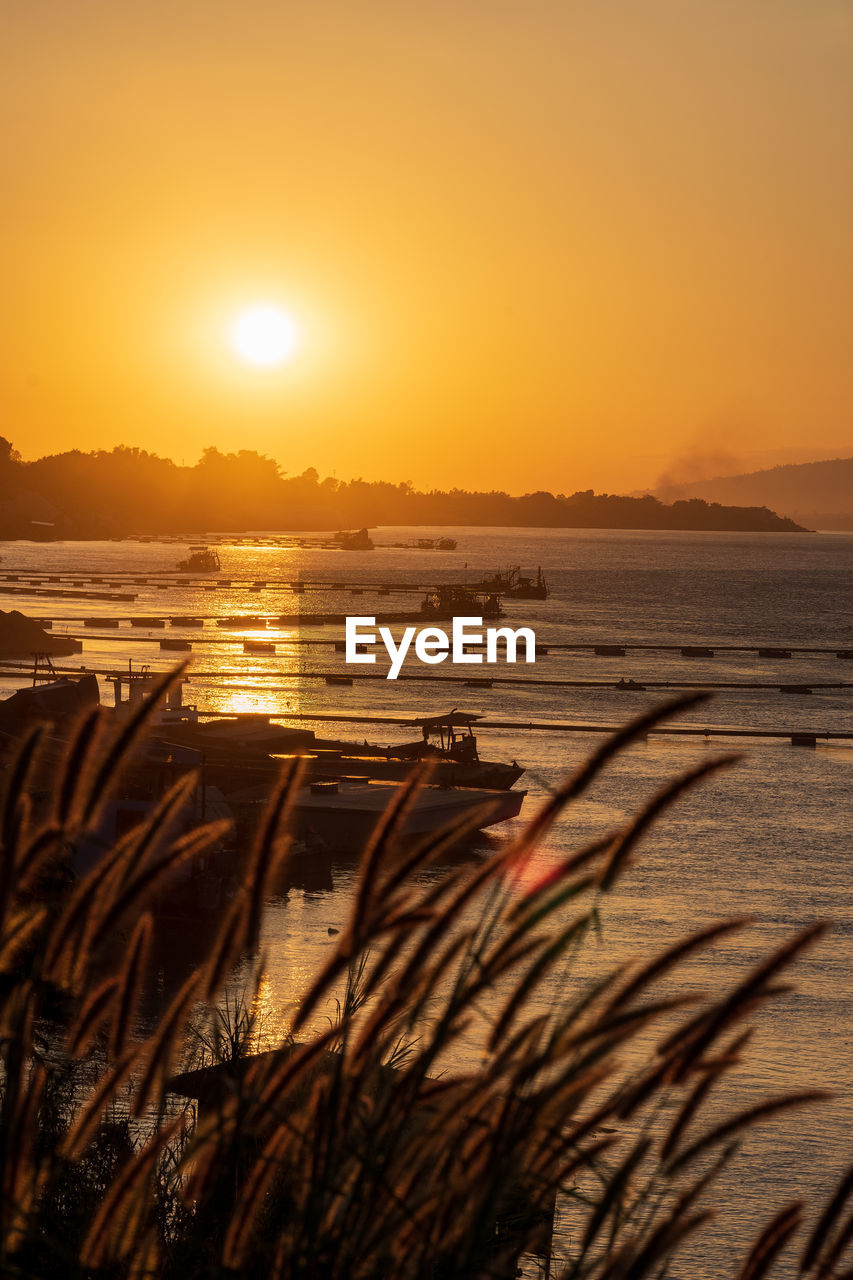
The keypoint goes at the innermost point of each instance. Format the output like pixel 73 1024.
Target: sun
pixel 265 335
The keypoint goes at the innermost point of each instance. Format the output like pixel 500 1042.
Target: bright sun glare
pixel 265 335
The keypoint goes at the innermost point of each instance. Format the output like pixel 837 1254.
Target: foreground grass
pixel 355 1151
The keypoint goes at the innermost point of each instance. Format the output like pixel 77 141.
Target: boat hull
pixel 343 821
pixel 488 775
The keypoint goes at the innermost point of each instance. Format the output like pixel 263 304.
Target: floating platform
pixel 255 621
pixel 55 593
pixel 797 737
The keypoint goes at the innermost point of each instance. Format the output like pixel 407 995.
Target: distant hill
pixel 127 490
pixel 816 494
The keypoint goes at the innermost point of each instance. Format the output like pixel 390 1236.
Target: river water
pixel 771 838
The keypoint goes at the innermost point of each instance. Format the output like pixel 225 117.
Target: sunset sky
pixel 547 244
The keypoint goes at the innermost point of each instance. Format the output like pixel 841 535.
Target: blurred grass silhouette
pixel 359 1150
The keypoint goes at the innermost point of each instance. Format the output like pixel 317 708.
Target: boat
pixel 348 787
pixel 447 742
pixel 353 540
pixel 428 544
pixel 255 746
pixel 345 814
pixel 516 585
pixel 238 770
pixel 342 814
pixel 201 560
pixel 449 601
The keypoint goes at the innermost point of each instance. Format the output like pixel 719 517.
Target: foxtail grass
pixel 360 1148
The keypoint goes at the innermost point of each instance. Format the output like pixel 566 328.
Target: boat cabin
pixel 205 560
pixel 456 739
pixel 353 540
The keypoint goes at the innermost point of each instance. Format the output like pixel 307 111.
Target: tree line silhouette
pixel 126 490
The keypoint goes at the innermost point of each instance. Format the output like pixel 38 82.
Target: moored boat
pixel 254 745
pixel 450 601
pixel 431 544
pixel 448 743
pixel 204 560
pixel 353 540
pixel 342 814
pixel 345 814
pixel 515 585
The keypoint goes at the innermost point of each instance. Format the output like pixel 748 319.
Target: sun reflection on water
pixel 271 1018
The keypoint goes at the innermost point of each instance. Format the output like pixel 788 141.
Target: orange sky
pixel 550 244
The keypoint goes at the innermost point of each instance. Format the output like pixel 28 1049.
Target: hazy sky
pixel 529 244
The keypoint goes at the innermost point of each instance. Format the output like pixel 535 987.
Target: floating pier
pixel 797 737
pixel 621 650
pixel 66 594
